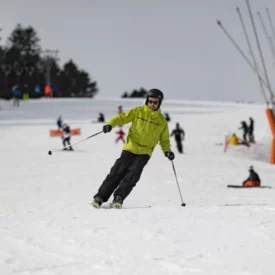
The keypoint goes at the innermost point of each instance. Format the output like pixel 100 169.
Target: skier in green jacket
pixel 245 129
pixel 149 127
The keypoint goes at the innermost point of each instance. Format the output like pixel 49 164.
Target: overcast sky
pixel 173 45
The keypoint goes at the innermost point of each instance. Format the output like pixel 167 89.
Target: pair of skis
pixel 109 206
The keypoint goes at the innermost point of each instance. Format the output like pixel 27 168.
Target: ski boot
pixel 117 202
pixel 97 202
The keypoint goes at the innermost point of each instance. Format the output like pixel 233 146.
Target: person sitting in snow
pixel 234 140
pixel 253 179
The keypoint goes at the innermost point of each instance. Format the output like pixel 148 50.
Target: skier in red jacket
pixel 121 135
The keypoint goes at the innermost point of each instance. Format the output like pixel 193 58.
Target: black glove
pixel 107 128
pixel 169 155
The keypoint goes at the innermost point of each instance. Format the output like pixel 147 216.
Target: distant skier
pixel 121 135
pixel 59 122
pixel 66 138
pixel 253 179
pixel 101 117
pixel 251 130
pixel 244 127
pixel 119 109
pixel 16 95
pixel 179 137
pixel 149 127
pixel 167 117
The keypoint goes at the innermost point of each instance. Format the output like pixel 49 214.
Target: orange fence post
pixel 272 153
pixel 271 121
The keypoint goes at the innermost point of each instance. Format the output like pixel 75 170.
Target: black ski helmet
pixel 155 93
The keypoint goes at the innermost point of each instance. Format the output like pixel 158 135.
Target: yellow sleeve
pixel 123 118
pixel 165 140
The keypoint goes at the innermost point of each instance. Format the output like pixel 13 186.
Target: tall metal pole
pixel 272 45
pixel 270 23
pixel 252 54
pixel 261 54
pixel 241 52
pixel 269 42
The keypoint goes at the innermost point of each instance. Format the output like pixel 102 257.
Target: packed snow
pixel 49 228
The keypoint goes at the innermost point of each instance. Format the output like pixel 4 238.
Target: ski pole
pixel 182 203
pixel 50 152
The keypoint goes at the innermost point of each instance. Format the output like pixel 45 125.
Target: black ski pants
pixel 123 176
pixel 245 134
pixel 251 136
pixel 67 141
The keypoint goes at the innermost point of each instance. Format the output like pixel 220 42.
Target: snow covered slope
pixel 48 227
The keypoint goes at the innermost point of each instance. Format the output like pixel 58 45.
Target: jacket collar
pixel 151 112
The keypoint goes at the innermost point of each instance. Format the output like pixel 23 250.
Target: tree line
pixel 135 93
pixel 24 65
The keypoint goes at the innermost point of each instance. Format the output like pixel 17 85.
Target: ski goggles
pixel 155 102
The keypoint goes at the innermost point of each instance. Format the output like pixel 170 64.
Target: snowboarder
pixel 66 138
pixel 149 127
pixel 179 137
pixel 121 135
pixel 253 179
